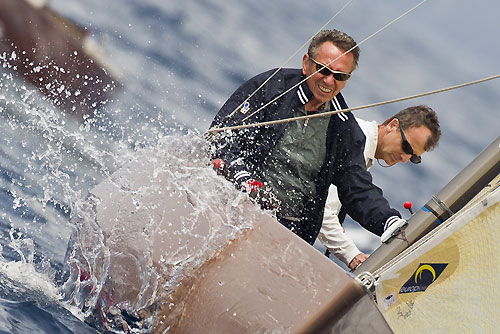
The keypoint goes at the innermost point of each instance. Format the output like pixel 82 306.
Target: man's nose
pixel 330 80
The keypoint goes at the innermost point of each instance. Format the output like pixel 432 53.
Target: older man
pixel 414 129
pixel 291 165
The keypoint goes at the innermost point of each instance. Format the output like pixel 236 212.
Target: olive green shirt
pixel 293 165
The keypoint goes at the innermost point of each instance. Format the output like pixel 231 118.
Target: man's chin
pixel 323 96
pixel 390 163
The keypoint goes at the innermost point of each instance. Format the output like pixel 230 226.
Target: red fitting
pixel 218 163
pixel 254 185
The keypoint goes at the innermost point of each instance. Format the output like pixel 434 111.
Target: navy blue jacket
pixel 244 151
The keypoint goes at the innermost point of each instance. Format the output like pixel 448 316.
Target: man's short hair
pixel 421 115
pixel 339 39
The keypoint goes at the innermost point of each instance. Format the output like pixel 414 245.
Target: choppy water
pixel 179 62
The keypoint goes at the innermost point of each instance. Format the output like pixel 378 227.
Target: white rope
pixel 290 58
pixel 357 45
pixel 332 112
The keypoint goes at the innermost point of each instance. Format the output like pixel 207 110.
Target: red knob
pixel 408 205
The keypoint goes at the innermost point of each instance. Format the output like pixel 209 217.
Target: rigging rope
pixel 290 58
pixel 357 45
pixel 332 112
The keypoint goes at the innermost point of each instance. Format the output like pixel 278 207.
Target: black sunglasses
pixel 407 147
pixel 326 71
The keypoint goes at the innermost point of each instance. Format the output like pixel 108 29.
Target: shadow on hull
pixel 54 55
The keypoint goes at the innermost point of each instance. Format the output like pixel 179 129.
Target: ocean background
pixel 179 62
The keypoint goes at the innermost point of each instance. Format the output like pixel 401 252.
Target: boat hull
pixel 215 264
pixel 50 53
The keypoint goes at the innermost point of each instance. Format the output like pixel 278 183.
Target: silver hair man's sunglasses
pixel 326 71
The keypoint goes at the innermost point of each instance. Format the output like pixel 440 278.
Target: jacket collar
pixel 304 93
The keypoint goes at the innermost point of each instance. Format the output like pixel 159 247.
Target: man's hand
pixel 219 166
pixel 357 260
pixel 392 227
pixel 261 194
pixel 256 189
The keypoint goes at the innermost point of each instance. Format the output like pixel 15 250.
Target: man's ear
pixel 393 124
pixel 305 59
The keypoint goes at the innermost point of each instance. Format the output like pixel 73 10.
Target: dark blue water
pixel 178 62
pixel 31 312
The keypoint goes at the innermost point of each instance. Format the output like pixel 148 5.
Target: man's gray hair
pixel 339 39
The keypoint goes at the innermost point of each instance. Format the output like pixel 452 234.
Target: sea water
pixel 196 54
pixel 51 163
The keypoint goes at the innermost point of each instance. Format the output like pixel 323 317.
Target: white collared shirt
pixel 332 234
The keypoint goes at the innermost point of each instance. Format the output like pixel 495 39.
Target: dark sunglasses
pixel 326 71
pixel 407 147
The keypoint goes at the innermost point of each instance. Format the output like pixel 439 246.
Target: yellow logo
pixel 424 276
pixel 421 269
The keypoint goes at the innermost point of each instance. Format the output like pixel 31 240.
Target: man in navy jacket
pixel 290 166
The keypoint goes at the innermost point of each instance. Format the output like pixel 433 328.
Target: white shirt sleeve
pixel 332 234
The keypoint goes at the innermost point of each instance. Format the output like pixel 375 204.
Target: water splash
pixel 148 228
pixel 45 177
pixel 24 271
pixel 50 176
